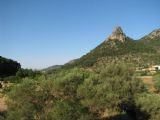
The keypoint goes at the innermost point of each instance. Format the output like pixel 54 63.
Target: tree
pixel 22 73
pixel 8 67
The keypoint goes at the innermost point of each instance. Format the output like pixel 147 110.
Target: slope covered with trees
pixel 114 47
pixel 8 67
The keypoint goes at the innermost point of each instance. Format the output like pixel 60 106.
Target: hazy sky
pixel 40 33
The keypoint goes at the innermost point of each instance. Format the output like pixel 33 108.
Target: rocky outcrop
pixel 154 34
pixel 117 34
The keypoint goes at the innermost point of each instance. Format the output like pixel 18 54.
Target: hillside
pixel 8 67
pixel 119 45
pixel 152 39
pixel 51 68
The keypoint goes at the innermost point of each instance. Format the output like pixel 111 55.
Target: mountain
pixel 8 67
pixel 117 34
pixel 153 36
pixel 51 68
pixel 119 46
pixel 152 39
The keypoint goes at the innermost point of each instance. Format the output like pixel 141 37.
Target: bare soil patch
pixel 148 80
pixel 3 106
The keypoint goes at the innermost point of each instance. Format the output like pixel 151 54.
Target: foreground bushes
pixel 113 90
pixel 51 99
pixel 148 106
pixel 157 81
pixel 112 94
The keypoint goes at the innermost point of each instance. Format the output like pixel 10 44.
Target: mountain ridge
pixel 118 44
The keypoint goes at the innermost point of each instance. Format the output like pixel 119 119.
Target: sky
pixel 42 33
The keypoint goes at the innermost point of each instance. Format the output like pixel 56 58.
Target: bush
pixel 76 94
pixel 114 89
pixel 28 100
pixel 148 107
pixel 66 111
pixel 12 79
pixel 47 98
pixel 157 82
pixel 22 73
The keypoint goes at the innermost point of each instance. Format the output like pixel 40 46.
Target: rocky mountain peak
pixel 117 30
pixel 117 34
pixel 154 34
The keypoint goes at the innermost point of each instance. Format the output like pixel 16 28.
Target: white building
pixel 156 67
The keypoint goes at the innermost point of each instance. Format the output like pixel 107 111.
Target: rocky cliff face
pixel 154 34
pixel 117 34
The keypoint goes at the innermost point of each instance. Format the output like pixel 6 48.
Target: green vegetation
pixel 101 85
pixel 148 105
pixel 53 97
pixel 20 74
pixel 144 52
pixel 8 67
pixel 111 92
pixel 157 81
pixel 78 94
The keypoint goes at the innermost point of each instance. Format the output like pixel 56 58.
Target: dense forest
pixel 8 67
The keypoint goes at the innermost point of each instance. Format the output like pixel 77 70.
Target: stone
pixel 117 34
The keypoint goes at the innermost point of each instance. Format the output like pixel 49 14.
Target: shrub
pixel 148 107
pixel 28 100
pixel 22 73
pixel 48 98
pixel 66 111
pixel 157 82
pixel 113 89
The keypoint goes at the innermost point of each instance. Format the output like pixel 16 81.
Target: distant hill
pixel 118 47
pixel 51 68
pixel 8 67
pixel 152 39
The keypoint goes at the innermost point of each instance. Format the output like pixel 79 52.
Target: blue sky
pixel 41 33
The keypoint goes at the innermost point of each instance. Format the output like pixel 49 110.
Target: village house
pixel 154 68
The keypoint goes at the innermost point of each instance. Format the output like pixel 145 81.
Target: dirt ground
pixel 3 106
pixel 148 80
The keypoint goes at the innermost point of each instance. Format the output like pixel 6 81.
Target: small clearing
pixel 148 80
pixel 3 106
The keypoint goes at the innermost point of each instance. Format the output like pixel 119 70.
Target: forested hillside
pixel 114 47
pixel 8 67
